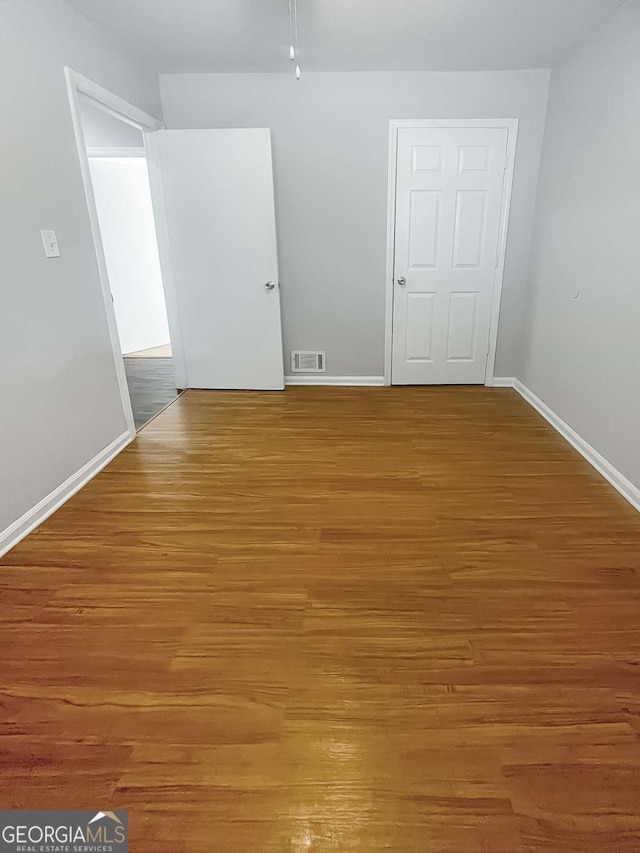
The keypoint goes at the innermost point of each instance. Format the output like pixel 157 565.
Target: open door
pixel 218 203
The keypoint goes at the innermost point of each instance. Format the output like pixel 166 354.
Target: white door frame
pixel 511 126
pixel 147 124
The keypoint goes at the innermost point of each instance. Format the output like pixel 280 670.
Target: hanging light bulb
pixel 293 35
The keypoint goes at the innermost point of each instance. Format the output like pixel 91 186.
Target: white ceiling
pixel 349 35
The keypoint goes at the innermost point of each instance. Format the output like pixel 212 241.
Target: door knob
pixel 270 285
pixel 402 281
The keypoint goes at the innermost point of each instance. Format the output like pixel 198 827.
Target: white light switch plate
pixel 50 243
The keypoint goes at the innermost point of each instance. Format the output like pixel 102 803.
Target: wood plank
pixel 333 619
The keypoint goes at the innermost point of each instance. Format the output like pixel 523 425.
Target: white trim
pixel 593 457
pixel 166 261
pixel 391 249
pixel 511 126
pixel 48 505
pixel 504 381
pixel 334 380
pixel 117 152
pixel 77 84
pixel 114 105
pixel 498 278
pixel 597 460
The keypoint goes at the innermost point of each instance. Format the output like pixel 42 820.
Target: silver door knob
pixel 402 281
pixel 270 285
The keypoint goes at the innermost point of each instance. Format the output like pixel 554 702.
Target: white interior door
pixel 449 185
pixel 218 199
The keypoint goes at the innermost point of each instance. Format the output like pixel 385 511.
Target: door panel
pixel 423 228
pixel 462 326
pixel 449 184
pixel 470 220
pixel 218 198
pixel 419 327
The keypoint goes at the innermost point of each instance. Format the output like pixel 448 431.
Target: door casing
pixel 147 124
pixel 511 125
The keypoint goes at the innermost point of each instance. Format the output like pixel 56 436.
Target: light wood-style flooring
pixel 333 619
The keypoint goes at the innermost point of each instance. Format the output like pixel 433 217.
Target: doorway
pixel 120 183
pixel 449 195
pixel 213 203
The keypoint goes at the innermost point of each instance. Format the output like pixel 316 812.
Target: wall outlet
pixel 50 243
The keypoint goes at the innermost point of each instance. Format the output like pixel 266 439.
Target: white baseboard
pixel 322 379
pixel 48 505
pixel 503 382
pixel 597 460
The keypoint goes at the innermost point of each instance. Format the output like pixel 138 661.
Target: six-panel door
pixel 449 184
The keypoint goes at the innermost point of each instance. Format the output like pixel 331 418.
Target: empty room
pixel 320 426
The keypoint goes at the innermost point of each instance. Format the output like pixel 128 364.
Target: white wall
pixel 59 399
pixel 103 130
pixel 581 355
pixel 330 138
pixel 127 227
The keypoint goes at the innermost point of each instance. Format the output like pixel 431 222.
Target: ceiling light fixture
pixel 293 35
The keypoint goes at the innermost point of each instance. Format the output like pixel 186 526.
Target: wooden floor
pixel 152 386
pixel 333 619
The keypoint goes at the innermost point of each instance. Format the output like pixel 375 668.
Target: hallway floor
pixel 333 619
pixel 152 386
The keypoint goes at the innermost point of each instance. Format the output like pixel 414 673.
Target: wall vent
pixel 305 361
